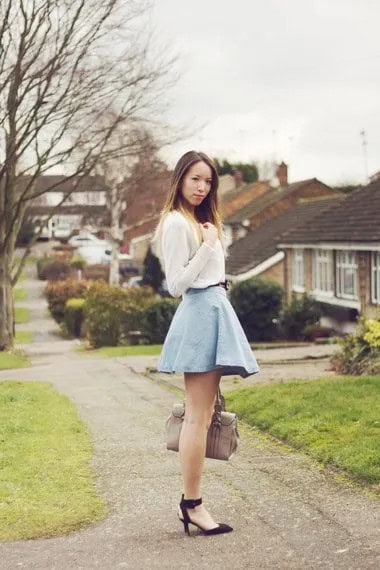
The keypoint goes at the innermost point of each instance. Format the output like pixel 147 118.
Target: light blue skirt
pixel 205 334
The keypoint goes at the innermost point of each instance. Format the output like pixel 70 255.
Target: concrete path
pixel 286 511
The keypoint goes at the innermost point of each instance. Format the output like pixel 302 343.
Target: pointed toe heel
pixel 186 504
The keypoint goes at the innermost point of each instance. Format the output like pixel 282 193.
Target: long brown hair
pixel 208 210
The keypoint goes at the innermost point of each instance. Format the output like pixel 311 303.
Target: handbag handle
pixel 220 403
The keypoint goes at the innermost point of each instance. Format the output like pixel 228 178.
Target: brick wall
pixel 313 189
pixel 308 264
pixel 275 273
pixel 236 199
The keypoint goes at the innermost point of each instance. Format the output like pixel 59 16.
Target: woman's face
pixel 196 184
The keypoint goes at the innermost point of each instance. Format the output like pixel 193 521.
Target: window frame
pixel 298 270
pixel 323 272
pixel 346 268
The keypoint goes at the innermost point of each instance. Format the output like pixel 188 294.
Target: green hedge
pixel 59 292
pixel 74 316
pixel 53 269
pixel 156 320
pixel 257 303
pixel 299 317
pixel 112 312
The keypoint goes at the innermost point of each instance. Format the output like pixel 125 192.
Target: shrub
pixel 41 262
pixel 74 316
pixel 360 351
pixel 59 292
pixel 96 272
pixel 77 262
pixel 372 336
pixel 64 250
pixel 142 296
pixel 156 320
pixel 53 269
pixel 300 313
pixel 152 271
pixel 257 303
pixel 112 312
pixel 312 332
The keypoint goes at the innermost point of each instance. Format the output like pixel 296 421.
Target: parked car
pixel 87 239
pixel 100 252
pixel 121 256
pixel 61 231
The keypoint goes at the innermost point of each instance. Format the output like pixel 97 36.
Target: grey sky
pixel 293 80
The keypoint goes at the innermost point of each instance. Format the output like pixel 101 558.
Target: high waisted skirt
pixel 206 334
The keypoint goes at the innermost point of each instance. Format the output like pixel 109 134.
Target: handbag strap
pixel 220 403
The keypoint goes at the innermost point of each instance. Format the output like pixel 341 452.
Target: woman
pixel 205 339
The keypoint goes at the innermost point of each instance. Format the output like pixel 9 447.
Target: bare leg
pixel 201 389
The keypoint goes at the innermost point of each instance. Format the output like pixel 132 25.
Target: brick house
pixel 336 258
pixel 86 204
pixel 235 200
pixel 143 211
pixel 254 229
pixel 257 254
pixel 273 203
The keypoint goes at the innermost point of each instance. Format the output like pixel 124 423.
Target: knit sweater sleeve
pixel 180 270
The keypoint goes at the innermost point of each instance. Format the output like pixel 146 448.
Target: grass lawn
pixel 23 337
pixel 46 484
pixel 19 294
pixel 22 315
pixel 138 350
pixel 336 421
pixel 10 360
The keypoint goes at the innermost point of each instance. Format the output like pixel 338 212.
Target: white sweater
pixel 188 263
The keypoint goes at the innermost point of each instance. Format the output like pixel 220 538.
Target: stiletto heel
pixel 186 520
pixel 186 527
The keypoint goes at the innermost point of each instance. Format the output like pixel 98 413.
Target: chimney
pixel 238 178
pixel 282 174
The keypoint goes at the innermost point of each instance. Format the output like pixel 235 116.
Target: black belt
pixel 225 284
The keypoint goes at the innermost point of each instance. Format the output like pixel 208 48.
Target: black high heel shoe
pixel 191 504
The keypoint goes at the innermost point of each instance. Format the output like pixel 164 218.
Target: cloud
pixel 291 80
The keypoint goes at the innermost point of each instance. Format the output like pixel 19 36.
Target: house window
pixel 375 278
pixel 323 272
pixel 298 273
pixel 346 275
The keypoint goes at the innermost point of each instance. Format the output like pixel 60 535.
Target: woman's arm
pixel 180 270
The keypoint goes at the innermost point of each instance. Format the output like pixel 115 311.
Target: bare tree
pixel 125 175
pixel 71 73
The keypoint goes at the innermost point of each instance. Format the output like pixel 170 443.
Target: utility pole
pixel 363 134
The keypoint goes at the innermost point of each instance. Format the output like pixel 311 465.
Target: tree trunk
pixel 7 324
pixel 115 235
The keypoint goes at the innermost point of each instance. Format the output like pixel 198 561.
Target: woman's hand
pixel 209 233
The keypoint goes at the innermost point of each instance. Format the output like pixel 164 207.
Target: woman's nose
pixel 201 185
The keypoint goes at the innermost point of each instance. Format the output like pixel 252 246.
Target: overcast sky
pixel 292 80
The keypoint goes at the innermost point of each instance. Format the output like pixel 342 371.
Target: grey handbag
pixel 222 436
